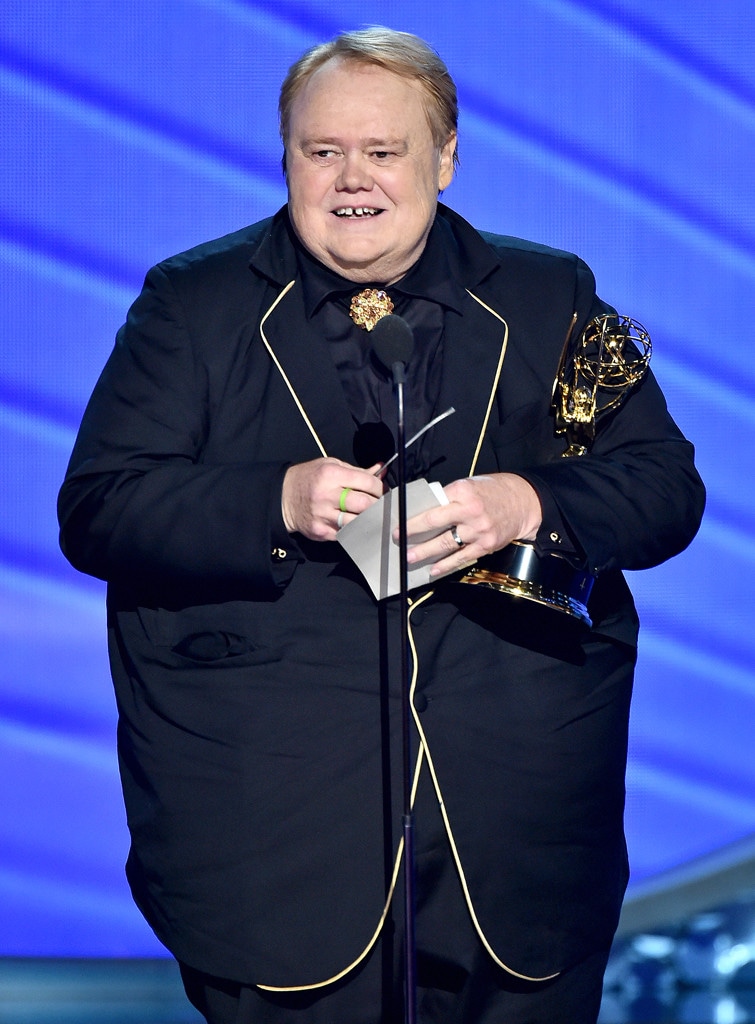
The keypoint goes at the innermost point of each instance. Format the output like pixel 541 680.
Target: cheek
pixel 305 189
pixel 423 191
pixel 297 193
pixel 305 212
pixel 422 205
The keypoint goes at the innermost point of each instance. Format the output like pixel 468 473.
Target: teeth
pixel 356 211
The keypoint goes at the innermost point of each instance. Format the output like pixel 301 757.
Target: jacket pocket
pixel 216 635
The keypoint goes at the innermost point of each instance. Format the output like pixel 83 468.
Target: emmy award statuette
pixel 594 377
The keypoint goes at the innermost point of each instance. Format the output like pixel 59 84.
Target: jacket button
pixel 420 702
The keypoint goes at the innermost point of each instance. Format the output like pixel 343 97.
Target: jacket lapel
pixel 307 368
pixel 473 355
pixel 473 358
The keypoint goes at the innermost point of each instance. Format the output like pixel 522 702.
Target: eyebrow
pixel 376 143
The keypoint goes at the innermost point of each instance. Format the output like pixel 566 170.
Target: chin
pixel 355 267
pixel 359 275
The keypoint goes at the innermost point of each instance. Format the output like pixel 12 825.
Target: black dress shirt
pixel 428 293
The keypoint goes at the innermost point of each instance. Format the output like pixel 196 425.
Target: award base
pixel 549 580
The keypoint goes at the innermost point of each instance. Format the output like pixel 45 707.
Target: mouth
pixel 357 212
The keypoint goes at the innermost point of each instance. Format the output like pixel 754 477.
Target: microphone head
pixel 392 340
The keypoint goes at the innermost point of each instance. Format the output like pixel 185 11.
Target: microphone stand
pixel 410 980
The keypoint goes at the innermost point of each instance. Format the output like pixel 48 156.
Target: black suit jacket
pixel 255 674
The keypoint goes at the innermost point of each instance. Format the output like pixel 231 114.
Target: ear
pixel 446 164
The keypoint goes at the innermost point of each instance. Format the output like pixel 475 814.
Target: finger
pixel 358 491
pixel 433 521
pixel 443 546
pixel 351 503
pixel 448 565
pixel 376 486
pixel 379 470
pixel 461 555
pixel 456 537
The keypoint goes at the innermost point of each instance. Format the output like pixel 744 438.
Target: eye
pixel 323 156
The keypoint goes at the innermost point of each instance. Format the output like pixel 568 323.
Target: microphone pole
pixel 393 343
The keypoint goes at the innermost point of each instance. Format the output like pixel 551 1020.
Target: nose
pixel 355 173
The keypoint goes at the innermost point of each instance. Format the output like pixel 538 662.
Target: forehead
pixel 345 93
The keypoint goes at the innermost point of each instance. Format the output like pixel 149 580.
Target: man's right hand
pixel 321 496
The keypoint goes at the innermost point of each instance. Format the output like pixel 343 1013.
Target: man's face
pixel 363 171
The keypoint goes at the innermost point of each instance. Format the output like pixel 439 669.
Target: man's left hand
pixel 483 514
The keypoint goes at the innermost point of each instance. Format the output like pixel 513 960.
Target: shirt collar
pixel 472 260
pixel 435 276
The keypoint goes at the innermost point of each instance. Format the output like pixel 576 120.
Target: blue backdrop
pixel 620 129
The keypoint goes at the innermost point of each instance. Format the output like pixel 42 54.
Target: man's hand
pixel 485 513
pixel 321 496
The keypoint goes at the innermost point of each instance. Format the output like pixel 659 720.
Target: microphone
pixel 393 344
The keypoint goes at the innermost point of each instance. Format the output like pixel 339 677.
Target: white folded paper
pixel 368 539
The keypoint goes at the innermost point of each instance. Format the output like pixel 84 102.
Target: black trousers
pixel 445 995
pixel 457 981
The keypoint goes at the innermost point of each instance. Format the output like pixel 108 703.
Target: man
pixel 240 422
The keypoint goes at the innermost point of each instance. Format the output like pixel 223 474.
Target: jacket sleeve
pixel 636 498
pixel 137 497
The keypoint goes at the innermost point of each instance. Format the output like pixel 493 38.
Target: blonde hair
pixel 401 53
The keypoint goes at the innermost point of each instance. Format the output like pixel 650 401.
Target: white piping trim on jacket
pixel 282 372
pixel 424 747
pixel 381 922
pixel 396 863
pixel 496 379
pixel 424 750
pixel 423 739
